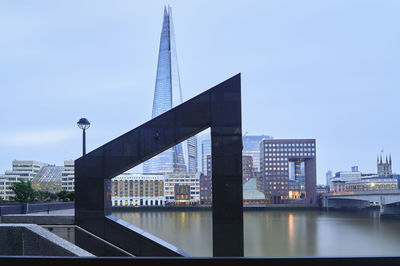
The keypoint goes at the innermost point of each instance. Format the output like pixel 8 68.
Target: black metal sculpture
pixel 218 108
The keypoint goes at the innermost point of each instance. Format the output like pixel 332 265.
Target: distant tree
pixel 62 195
pixel 72 195
pixel 23 192
pixel 65 195
pixel 46 196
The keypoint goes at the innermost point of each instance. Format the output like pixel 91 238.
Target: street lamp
pixel 84 124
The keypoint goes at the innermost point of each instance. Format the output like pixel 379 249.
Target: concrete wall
pixel 20 208
pixel 32 240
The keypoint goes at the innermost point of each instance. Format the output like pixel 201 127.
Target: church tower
pixel 384 168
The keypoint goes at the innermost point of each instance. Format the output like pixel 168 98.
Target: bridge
pixel 387 200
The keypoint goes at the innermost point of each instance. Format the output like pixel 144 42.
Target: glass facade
pixel 192 154
pixel 205 151
pixel 167 94
pixel 251 147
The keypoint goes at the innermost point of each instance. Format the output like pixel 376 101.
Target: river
pixel 279 233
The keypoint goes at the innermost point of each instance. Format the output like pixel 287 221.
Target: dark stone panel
pixel 32 240
pixel 95 245
pixel 11 241
pixel 136 241
pixel 92 199
pixel 35 245
pixel 224 235
pixel 38 219
pixel 228 166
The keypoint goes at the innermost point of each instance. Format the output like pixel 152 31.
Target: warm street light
pixel 84 124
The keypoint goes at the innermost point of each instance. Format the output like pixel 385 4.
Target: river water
pixel 279 233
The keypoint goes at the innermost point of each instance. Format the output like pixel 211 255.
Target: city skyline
pixel 319 80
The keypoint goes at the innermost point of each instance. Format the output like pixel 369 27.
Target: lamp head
pixel 83 123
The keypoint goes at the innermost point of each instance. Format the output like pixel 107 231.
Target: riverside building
pixel 138 190
pixel 354 180
pixel 288 171
pixel 205 190
pixel 206 184
pixel 182 188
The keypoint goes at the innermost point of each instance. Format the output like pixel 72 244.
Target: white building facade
pixel 356 181
pixel 22 170
pixel 68 176
pixel 182 188
pixel 137 190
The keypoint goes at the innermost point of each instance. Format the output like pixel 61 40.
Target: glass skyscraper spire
pixel 167 95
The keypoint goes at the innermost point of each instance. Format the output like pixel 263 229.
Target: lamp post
pixel 84 124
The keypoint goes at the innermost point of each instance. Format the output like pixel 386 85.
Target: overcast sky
pixel 328 70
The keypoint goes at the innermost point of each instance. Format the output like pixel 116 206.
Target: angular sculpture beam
pixel 218 108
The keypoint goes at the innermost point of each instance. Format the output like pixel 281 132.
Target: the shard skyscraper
pixel 167 94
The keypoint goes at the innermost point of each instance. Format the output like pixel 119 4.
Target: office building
pixel 22 170
pixel 205 151
pixel 354 168
pixel 329 176
pixel 251 147
pixel 288 171
pixel 247 167
pixel 192 155
pixel 206 183
pixel 68 176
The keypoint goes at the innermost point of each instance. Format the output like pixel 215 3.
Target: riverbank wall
pixel 208 208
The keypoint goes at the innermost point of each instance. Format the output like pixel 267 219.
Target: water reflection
pixel 290 230
pixel 279 233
